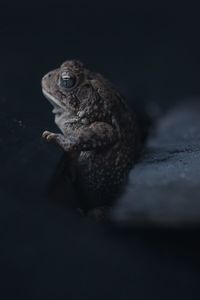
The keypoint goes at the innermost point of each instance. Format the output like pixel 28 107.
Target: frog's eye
pixel 67 80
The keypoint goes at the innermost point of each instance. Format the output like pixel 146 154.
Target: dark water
pixel 48 251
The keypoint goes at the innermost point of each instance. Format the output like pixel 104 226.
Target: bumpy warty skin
pixel 99 132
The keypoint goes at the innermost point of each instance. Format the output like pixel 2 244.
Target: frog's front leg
pixel 66 143
pixel 97 135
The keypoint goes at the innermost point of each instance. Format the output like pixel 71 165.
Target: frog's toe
pixel 45 134
pixel 48 135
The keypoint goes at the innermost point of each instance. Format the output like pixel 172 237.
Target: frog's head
pixel 60 85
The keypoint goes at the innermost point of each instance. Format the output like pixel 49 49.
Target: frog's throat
pixel 52 99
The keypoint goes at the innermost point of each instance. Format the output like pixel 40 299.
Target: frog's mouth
pixel 58 109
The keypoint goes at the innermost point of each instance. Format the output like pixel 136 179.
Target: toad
pixel 99 133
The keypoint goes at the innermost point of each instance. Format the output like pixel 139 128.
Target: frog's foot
pixel 98 213
pixel 50 136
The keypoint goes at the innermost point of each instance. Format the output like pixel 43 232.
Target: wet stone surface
pixel 164 187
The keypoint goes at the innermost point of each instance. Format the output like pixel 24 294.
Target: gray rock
pixel 164 187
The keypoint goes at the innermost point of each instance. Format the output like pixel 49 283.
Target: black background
pixel 151 52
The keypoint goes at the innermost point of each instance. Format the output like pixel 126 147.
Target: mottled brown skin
pixel 99 133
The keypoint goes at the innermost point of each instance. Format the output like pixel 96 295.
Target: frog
pixel 98 131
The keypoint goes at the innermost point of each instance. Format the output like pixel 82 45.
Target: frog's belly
pixel 104 170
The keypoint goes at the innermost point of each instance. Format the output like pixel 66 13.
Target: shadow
pixel 66 188
pixel 61 188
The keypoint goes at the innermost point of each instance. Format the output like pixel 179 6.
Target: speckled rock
pixel 164 187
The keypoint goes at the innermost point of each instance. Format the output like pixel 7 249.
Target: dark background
pixel 151 52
